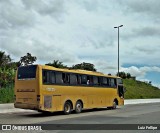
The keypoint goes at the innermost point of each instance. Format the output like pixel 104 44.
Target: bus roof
pixel 78 71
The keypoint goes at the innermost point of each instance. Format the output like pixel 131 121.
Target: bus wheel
pixel 78 107
pixel 67 108
pixel 114 105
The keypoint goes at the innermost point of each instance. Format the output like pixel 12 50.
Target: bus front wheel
pixel 78 107
pixel 114 105
pixel 67 108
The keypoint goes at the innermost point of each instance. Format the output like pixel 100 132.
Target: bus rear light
pixel 38 98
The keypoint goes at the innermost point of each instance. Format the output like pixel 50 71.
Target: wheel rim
pixel 78 107
pixel 114 105
pixel 67 108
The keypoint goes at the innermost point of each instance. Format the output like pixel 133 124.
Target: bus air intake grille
pixel 47 101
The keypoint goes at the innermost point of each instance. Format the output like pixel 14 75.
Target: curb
pixel 9 108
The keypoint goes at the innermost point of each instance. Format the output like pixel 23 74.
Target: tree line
pixel 8 67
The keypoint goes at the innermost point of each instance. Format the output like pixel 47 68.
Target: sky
pixel 76 31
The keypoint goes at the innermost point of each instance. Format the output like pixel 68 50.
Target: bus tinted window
pixel 59 79
pixel 84 79
pixel 105 81
pixel 66 78
pixel 119 81
pixel 73 79
pixel 112 82
pixel 48 77
pixel 95 80
pixel 90 80
pixel 79 79
pixel 27 72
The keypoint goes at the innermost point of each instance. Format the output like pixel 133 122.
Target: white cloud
pixel 141 71
pixel 82 30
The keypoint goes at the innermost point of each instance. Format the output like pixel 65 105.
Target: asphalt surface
pixel 134 112
pixel 9 108
pixel 96 119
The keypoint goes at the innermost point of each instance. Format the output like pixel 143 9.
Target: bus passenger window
pixel 59 78
pixel 52 77
pixel 112 82
pixel 105 81
pixel 67 78
pixel 88 80
pixel 115 82
pixel 73 79
pixel 44 75
pixel 48 77
pixel 79 77
pixel 99 80
pixel 95 80
pixel 63 78
pixel 84 79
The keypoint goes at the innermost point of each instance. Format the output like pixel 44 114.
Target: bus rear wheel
pixel 78 107
pixel 67 108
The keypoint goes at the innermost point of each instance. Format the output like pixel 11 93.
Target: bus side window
pixel 112 82
pixel 115 82
pixel 119 81
pixel 95 80
pixel 67 79
pixel 84 79
pixel 100 81
pixel 44 75
pixel 79 79
pixel 89 80
pixel 63 78
pixel 59 79
pixel 48 77
pixel 51 77
pixel 105 81
pixel 73 79
pixel 109 82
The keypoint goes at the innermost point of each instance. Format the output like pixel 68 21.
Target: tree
pixel 128 76
pixel 4 59
pixel 84 66
pixel 7 72
pixel 124 75
pixel 57 64
pixel 7 76
pixel 27 59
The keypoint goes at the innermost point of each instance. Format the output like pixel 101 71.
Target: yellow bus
pixel 46 88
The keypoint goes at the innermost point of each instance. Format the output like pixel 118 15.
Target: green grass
pixel 140 90
pixel 7 95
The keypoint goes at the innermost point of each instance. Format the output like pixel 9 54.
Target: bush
pixel 7 95
pixel 6 77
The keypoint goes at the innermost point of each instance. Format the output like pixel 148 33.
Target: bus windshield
pixel 27 72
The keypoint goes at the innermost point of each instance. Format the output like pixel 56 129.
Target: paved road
pixel 128 114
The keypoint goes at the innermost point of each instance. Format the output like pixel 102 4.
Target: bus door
pixel 120 91
pixel 120 88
